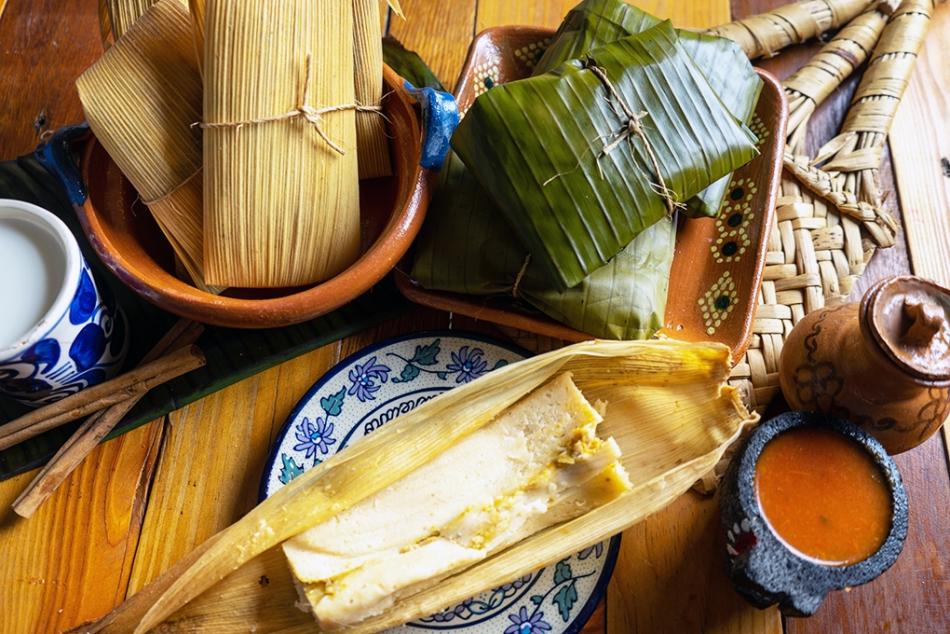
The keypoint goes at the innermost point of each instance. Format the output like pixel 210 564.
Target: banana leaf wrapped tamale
pixel 593 23
pixel 466 247
pixel 583 159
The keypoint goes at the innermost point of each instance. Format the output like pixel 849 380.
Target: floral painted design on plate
pixel 373 387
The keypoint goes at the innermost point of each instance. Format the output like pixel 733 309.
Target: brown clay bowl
pixel 129 242
pixel 718 265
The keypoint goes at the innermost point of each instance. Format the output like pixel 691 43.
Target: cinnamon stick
pixel 95 428
pixel 131 384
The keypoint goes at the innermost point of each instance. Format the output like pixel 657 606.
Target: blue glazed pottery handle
pixel 440 117
pixel 56 156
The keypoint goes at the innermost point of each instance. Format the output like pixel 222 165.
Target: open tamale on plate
pixel 718 263
pixel 665 403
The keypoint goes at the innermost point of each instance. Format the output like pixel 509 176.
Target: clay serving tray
pixel 718 264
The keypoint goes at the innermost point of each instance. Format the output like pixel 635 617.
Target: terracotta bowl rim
pixel 169 293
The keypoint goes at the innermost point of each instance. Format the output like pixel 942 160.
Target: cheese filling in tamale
pixel 537 464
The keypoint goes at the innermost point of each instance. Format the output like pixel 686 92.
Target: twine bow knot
pixel 304 110
pixel 633 128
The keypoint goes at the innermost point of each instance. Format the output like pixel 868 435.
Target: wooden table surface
pixel 142 501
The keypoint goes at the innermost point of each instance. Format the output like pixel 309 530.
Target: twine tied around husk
pixel 520 276
pixel 303 110
pixel 634 129
pixel 171 192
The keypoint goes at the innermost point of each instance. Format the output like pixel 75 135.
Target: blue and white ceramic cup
pixel 58 333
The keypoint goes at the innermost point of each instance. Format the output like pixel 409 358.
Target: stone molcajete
pixel 883 363
pixel 815 534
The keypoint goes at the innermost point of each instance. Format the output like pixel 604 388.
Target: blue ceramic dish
pixel 82 338
pixel 373 387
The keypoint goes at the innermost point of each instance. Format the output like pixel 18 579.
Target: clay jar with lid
pixel 883 363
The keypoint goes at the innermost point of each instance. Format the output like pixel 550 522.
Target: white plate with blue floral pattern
pixel 377 384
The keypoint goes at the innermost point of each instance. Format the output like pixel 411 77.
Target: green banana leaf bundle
pixel 590 25
pixel 593 23
pixel 582 159
pixel 466 247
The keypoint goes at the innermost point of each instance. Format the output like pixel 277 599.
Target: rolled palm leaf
pixel 583 159
pixel 765 34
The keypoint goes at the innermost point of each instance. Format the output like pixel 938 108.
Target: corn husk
pixel 765 34
pixel 197 8
pixel 281 204
pixel 852 158
pixel 667 407
pixel 578 196
pixel 811 84
pixel 141 99
pixel 593 23
pixel 124 13
pixel 371 142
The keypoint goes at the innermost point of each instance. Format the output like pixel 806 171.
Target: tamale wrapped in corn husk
pixel 584 158
pixel 197 8
pixel 124 13
pixel 371 142
pixel 668 409
pixel 593 23
pixel 281 182
pixel 467 247
pixel 141 100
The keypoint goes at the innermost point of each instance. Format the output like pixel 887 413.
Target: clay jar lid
pixel 909 319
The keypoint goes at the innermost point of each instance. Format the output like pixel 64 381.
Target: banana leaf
pixel 539 146
pixel 467 247
pixel 590 25
pixel 408 64
pixel 593 23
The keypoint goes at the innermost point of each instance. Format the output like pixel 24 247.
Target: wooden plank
pixel 689 14
pixel 70 562
pixel 916 587
pixel 693 14
pixel 440 35
pixel 920 146
pixel 670 577
pixel 46 45
pixel 502 12
pixel 914 595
